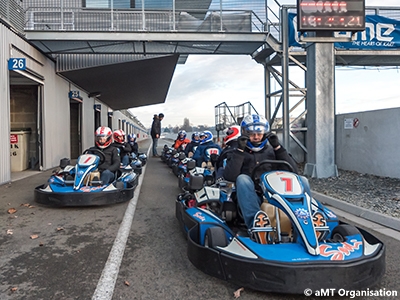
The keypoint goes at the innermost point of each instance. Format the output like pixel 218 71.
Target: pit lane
pixel 69 257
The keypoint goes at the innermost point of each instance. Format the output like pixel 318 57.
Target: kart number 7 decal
pixel 288 182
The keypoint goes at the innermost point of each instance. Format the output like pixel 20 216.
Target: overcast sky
pixel 205 81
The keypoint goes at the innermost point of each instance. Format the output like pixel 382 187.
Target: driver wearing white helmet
pixel 103 141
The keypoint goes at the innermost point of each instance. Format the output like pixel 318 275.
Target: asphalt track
pixel 132 250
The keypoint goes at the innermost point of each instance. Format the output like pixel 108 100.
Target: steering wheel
pixel 269 161
pixel 97 152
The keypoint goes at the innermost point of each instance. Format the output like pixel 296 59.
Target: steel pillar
pixel 320 80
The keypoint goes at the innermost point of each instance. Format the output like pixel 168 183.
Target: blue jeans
pixel 107 176
pixel 248 200
pixel 155 143
pixel 125 160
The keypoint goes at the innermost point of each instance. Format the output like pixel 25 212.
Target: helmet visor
pixel 101 140
pixel 254 128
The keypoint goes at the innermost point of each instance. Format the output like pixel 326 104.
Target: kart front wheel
pixel 215 237
pixel 342 231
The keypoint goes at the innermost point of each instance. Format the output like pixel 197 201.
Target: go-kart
pixel 307 247
pixel 166 154
pixel 192 178
pixel 137 162
pixel 80 185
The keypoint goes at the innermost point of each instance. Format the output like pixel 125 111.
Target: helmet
pixel 206 136
pixel 181 135
pixel 232 133
pixel 255 124
pixel 103 137
pixel 196 137
pixel 132 137
pixel 119 136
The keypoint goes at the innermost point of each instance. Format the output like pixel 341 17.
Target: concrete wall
pixel 368 142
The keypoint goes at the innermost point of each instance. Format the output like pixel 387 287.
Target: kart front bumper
pixel 83 198
pixel 288 278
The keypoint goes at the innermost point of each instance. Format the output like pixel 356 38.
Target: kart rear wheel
pixel 215 237
pixel 342 231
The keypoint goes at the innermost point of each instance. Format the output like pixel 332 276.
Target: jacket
pixel 181 144
pixel 203 152
pixel 134 147
pixel 124 149
pixel 226 152
pixel 112 159
pixel 244 162
pixel 191 147
pixel 155 128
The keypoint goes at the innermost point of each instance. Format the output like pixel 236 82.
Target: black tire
pixel 342 231
pixel 215 237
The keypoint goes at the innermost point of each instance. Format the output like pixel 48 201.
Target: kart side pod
pixel 64 162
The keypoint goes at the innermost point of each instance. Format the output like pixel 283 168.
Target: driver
pixel 103 143
pixel 252 148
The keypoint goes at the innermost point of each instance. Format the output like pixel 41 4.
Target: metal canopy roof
pixel 129 84
pixel 142 81
pixel 146 43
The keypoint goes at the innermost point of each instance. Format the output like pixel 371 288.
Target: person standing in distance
pixel 156 132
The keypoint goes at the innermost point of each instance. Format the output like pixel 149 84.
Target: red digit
pixel 288 184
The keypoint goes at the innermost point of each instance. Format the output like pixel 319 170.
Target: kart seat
pixel 92 179
pixel 286 225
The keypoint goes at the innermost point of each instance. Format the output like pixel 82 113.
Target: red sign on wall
pixel 14 138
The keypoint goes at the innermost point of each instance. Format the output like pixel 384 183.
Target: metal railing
pixel 13 14
pixel 133 20
pixel 226 116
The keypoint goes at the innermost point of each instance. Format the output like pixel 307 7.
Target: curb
pixel 379 218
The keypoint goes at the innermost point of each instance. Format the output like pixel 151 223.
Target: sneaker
pixel 96 181
pixel 261 228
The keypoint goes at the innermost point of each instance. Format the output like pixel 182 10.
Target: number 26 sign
pixel 17 64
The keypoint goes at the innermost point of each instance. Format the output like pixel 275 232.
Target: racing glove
pixel 273 140
pixel 242 141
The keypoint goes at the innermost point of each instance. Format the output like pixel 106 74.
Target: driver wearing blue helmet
pixel 132 142
pixel 192 146
pixel 207 151
pixel 253 148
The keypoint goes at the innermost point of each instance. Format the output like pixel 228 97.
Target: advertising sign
pixel 380 33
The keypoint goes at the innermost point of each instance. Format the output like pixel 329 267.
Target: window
pixel 108 3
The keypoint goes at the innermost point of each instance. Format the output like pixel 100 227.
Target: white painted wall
pixel 56 114
pixel 373 145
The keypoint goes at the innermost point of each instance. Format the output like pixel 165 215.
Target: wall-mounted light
pixel 94 94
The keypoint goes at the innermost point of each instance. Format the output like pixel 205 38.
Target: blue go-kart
pixel 307 247
pixel 80 185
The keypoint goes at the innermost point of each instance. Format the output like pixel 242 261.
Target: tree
pixel 186 125
pixel 176 129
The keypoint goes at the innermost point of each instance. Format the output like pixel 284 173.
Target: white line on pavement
pixel 105 286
